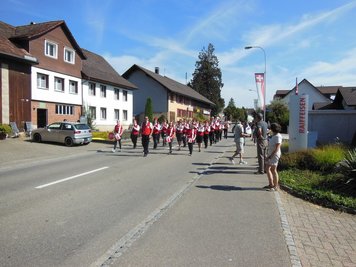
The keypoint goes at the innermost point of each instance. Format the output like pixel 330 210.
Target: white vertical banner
pixel 260 87
pixel 298 122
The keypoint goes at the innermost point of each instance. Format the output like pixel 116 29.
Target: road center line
pixel 70 178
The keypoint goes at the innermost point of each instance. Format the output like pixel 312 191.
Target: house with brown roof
pixel 304 87
pixel 53 89
pixel 45 77
pixel 107 96
pixel 170 98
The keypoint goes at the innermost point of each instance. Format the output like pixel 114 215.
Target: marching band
pixel 186 133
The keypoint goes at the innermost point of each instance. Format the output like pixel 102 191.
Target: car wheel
pixel 68 141
pixel 37 137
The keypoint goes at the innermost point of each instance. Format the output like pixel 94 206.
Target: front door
pixel 41 118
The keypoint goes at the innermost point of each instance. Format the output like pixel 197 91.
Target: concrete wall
pixel 330 124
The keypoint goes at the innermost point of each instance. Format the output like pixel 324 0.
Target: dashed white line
pixel 70 178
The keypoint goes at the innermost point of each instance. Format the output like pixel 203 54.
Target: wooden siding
pixel 58 36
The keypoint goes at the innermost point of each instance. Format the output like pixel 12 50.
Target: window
pixel 69 55
pixel 92 89
pixel 58 84
pixel 124 113
pixel 117 114
pixel 73 87
pixel 117 93
pixel 67 126
pixel 51 49
pixel 102 90
pixel 124 92
pixel 64 109
pixel 92 112
pixel 42 81
pixel 171 96
pixel 103 113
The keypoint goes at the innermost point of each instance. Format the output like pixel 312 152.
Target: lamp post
pixel 265 78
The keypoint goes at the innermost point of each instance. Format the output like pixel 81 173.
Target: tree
pixel 233 113
pixel 207 79
pixel 149 109
pixel 230 110
pixel 278 112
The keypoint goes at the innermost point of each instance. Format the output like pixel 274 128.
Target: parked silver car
pixel 69 133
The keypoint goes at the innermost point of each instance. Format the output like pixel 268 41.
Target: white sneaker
pixel 113 150
pixel 243 162
pixel 232 160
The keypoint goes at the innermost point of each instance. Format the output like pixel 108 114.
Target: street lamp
pixel 265 78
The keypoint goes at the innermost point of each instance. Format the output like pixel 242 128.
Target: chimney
pixel 157 70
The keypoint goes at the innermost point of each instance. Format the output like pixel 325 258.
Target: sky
pixel 303 39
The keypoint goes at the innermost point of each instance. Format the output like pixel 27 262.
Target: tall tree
pixel 149 109
pixel 207 79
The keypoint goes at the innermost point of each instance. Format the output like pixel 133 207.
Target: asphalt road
pixel 64 206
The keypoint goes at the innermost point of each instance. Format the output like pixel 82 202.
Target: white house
pixel 107 97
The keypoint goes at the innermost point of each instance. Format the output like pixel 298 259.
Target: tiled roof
pixel 349 95
pixel 96 68
pixel 34 30
pixel 170 84
pixel 6 46
pixel 10 35
pixel 328 89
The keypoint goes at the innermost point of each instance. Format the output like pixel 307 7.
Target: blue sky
pixel 314 39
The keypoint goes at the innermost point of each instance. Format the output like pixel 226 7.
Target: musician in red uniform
pixel 146 130
pixel 200 134
pixel 118 131
pixel 134 133
pixel 179 133
pixel 212 131
pixel 164 132
pixel 191 135
pixel 156 132
pixel 206 133
pixel 169 135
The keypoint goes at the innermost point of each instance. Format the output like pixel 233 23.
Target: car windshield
pixel 82 126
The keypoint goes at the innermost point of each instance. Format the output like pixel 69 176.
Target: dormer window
pixel 51 49
pixel 69 55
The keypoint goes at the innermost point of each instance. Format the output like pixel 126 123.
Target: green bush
pixel 327 157
pixel 4 128
pixel 323 159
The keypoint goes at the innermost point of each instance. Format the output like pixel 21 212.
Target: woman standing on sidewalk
pixel 274 154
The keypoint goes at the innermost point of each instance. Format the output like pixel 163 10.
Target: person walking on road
pixel 156 132
pixel 146 130
pixel 191 135
pixel 134 133
pixel 118 131
pixel 239 138
pixel 169 135
pixel 274 154
pixel 261 135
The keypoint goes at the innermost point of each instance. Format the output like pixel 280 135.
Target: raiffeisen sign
pixel 298 122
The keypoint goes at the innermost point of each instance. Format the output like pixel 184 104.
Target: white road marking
pixel 70 178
